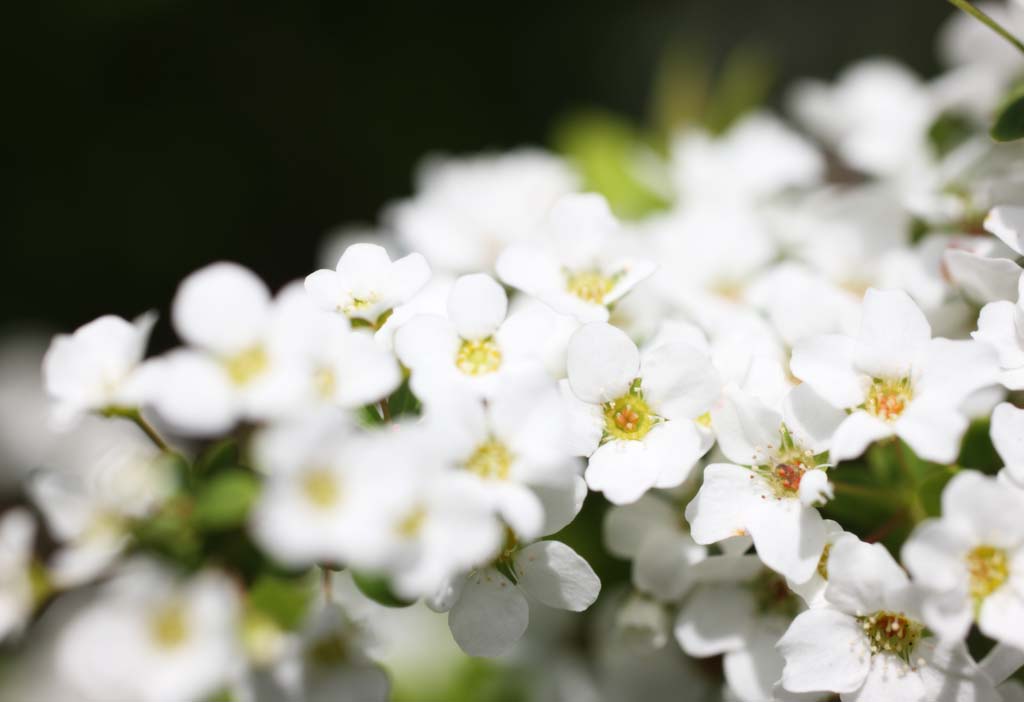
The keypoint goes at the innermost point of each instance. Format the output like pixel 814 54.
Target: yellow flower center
pixel 628 417
pixel 478 357
pixel 243 367
pixel 888 398
pixel 491 460
pixel 325 383
pixel 891 632
pixel 168 627
pixel 412 524
pixel 591 286
pixel 989 568
pixel 321 488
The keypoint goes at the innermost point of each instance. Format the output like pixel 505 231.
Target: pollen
pixel 412 523
pixel 491 460
pixel 988 567
pixel 891 632
pixel 591 286
pixel 169 627
pixel 325 382
pixel 321 488
pixel 478 357
pixel 887 399
pixel 628 417
pixel 823 562
pixel 788 476
pixel 245 366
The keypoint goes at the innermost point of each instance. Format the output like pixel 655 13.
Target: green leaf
pixel 1009 124
pixel 609 153
pixel 224 501
pixel 378 589
pixel 403 402
pixel 949 131
pixel 284 600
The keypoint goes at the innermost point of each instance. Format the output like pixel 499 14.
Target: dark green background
pixel 141 139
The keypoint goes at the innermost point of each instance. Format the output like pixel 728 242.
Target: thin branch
pixel 988 22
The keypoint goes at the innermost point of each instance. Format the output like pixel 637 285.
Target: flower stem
pixel 385 410
pixel 133 414
pixel 988 22
pixel 1002 662
pixel 863 491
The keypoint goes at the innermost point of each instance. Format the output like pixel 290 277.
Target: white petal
pixel 715 619
pixel 935 554
pixel 602 362
pixel 367 372
pixel 752 671
pixel 447 595
pixel 194 394
pixel 477 306
pixel 1007 223
pixel 409 275
pixel 679 381
pixel 1008 434
pixel 982 278
pixel 426 340
pixel 529 269
pixel 521 509
pixel 490 616
pixel 626 526
pixel 933 432
pixel 811 419
pixel 952 370
pixel 723 503
pixel 745 428
pixel 824 650
pixel 815 488
pixel 222 307
pixel 557 576
pixel 623 470
pixel 855 434
pixel 664 564
pixel 826 364
pixel 326 289
pixel 893 332
pixel 789 537
pixel 861 575
pixel 561 503
pixel 676 446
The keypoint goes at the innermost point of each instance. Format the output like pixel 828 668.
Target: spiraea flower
pixel 871 643
pixel 970 560
pixel 635 415
pixel 579 268
pixel 97 367
pixel 367 284
pixel 779 478
pixel 17 595
pixel 895 380
pixel 164 638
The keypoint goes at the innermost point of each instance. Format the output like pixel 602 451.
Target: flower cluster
pixel 800 364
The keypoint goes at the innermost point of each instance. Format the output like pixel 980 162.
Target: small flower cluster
pixel 769 388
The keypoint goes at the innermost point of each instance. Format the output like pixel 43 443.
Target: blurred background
pixel 144 138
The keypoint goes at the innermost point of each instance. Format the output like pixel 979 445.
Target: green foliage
pixel 1009 122
pixel 608 151
pixel 285 600
pixel 223 502
pixel 949 131
pixel 403 402
pixel 378 589
pixel 221 455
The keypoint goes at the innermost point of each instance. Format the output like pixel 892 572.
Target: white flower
pixel 894 379
pixel 323 490
pixel 758 157
pixel 254 358
pixel 579 268
pixel 876 115
pixel 98 479
pixel 367 283
pixel 635 414
pixel 1007 432
pixel 17 534
pixel 812 590
pixel 771 494
pixel 475 346
pixel 95 368
pixel 467 210
pixel 1000 324
pixel 871 644
pixel 739 610
pixel 151 638
pixel 971 561
pixel 488 611
pixel 651 533
pixel 514 445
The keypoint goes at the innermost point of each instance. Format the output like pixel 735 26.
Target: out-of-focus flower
pixel 149 636
pixel 96 367
pixel 17 595
pixel 579 268
pixel 467 210
pixel 367 284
